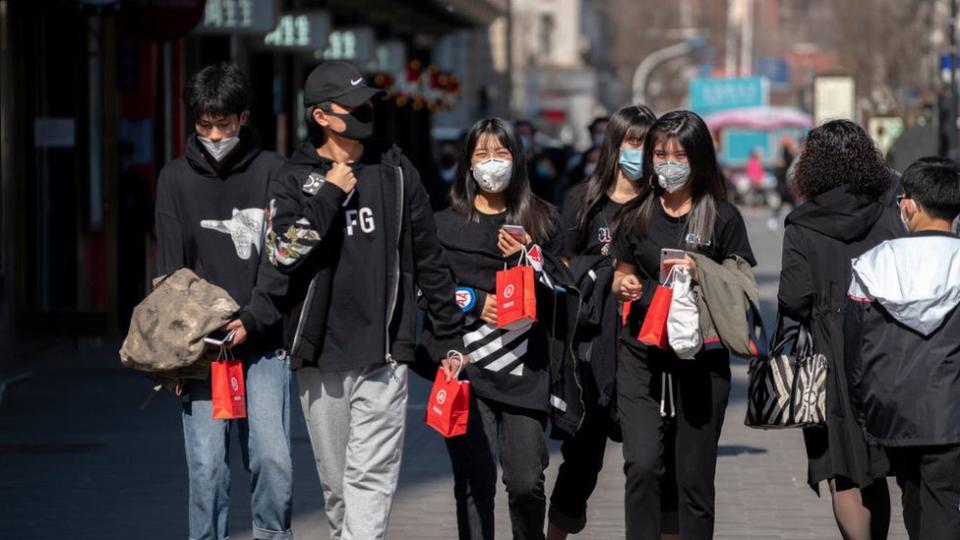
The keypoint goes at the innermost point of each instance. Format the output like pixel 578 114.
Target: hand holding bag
pixel 227 387
pixel 788 390
pixel 653 332
pixel 683 321
pixel 448 409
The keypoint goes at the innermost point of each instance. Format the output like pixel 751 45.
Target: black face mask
pixel 359 122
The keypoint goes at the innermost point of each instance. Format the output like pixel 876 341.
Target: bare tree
pixel 636 29
pixel 885 45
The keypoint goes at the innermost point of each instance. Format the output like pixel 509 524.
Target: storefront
pixel 91 110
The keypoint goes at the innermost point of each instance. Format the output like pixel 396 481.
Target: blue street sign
pixel 775 69
pixel 708 95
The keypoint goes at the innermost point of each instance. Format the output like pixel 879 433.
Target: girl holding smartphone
pixel 508 369
pixel 667 404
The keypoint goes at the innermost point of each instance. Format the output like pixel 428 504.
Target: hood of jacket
pixel 237 160
pixel 838 214
pixel 916 279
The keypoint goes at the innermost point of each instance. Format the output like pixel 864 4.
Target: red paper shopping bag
pixel 516 296
pixel 227 389
pixel 448 410
pixel 653 332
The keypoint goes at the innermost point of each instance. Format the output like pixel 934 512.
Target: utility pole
pixel 652 60
pixel 746 37
pixel 952 118
pixel 730 48
pixel 510 66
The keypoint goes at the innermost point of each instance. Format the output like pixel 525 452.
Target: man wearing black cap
pixel 350 223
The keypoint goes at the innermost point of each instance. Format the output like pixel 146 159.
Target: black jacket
pixel 211 220
pixel 821 237
pixel 901 329
pixel 304 240
pixel 597 334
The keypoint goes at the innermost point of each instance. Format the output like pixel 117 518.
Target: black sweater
pixel 211 220
pixel 507 365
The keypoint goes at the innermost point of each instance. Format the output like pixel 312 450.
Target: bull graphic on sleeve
pixel 245 228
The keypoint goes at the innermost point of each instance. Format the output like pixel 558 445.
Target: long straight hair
pixel 523 207
pixel 706 181
pixel 634 120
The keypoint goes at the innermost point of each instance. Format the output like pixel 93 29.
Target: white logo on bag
pixel 508 291
pixel 441 396
pixel 234 383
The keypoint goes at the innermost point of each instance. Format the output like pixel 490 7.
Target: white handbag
pixel 683 321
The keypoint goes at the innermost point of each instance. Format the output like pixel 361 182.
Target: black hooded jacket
pixel 821 237
pixel 305 237
pixel 211 220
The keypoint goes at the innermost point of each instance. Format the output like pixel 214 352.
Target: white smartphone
pixel 516 231
pixel 219 338
pixel 666 254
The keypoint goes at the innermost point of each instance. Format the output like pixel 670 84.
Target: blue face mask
pixel 631 162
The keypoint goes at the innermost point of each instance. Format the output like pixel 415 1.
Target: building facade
pixel 91 110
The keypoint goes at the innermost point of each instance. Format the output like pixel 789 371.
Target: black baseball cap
pixel 337 81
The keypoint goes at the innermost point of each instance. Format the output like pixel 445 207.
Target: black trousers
pixel 518 434
pixel 929 477
pixel 701 389
pixel 582 460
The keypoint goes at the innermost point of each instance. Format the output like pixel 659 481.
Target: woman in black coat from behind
pixel 845 186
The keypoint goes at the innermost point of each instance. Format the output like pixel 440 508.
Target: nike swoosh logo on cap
pixel 356 82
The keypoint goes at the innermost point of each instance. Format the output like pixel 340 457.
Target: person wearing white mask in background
pixel 210 218
pixel 508 367
pixel 672 409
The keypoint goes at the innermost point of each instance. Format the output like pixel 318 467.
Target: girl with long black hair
pixel 587 220
pixel 508 367
pixel 667 404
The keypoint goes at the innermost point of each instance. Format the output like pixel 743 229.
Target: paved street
pixel 79 458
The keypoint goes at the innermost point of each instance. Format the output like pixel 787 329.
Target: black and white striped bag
pixel 788 390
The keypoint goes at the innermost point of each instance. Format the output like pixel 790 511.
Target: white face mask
pixel 219 150
pixel 904 219
pixel 493 175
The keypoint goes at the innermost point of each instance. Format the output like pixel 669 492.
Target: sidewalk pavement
pixel 80 459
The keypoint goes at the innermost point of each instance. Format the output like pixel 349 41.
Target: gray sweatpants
pixel 356 422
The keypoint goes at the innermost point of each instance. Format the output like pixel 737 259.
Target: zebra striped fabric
pixel 788 390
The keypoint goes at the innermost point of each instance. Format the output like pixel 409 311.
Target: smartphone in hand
pixel 219 338
pixel 517 232
pixel 667 254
